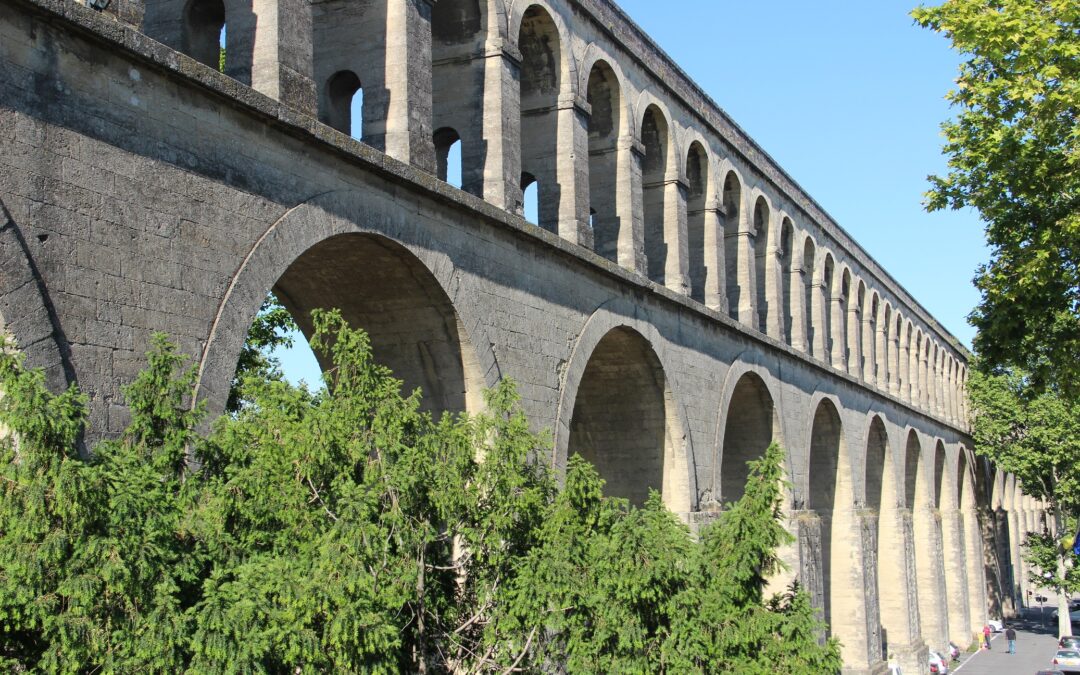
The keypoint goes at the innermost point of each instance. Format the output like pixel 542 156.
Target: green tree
pixel 347 530
pixel 1034 435
pixel 725 624
pixel 1014 156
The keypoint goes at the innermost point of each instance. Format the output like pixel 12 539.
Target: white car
pixel 938 664
pixel 995 625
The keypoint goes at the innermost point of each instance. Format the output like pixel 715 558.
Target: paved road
pixel 1035 646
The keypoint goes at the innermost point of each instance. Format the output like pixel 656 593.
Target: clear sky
pixel 847 96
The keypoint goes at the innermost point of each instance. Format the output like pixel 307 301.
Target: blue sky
pixel 847 96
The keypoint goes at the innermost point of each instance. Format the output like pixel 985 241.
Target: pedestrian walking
pixel 1010 635
pixel 986 636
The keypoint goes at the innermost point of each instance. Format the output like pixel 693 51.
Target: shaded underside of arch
pixel 381 287
pixel 620 415
pixel 749 427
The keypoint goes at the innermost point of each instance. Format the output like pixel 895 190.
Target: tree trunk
pixel 1064 618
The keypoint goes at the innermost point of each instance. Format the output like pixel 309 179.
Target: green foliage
pixel 349 531
pixel 1030 433
pixel 221 60
pixel 1014 155
pixel 1034 434
pixel 724 623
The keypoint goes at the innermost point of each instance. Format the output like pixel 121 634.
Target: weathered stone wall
pixel 143 191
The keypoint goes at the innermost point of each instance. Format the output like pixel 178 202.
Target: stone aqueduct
pixel 681 303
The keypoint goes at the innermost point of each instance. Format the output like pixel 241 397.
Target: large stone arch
pixel 322 222
pixel 26 310
pixel 831 498
pixel 748 421
pixel 618 323
pixel 972 533
pixel 884 499
pixel 948 484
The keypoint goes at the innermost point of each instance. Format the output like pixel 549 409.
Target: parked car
pixel 995 625
pixel 938 664
pixel 1069 642
pixel 1074 617
pixel 1067 660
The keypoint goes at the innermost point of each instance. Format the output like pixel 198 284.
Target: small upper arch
pixel 539 16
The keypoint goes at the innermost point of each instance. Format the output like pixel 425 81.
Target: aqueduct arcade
pixel 678 304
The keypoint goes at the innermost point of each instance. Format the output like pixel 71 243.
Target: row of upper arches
pixel 602 159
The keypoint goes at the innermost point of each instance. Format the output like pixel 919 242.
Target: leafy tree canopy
pixel 1014 156
pixel 349 531
pixel 1034 434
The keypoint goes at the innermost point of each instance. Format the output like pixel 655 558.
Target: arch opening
pixel 342 105
pixel 448 156
pixel 785 305
pixel 810 302
pixel 881 497
pixel 827 282
pixel 732 217
pixel 750 425
pixel 382 287
pixel 654 136
pixel 761 263
pixel 830 497
pixel 540 83
pixel 697 178
pixel 203 31
pixel 605 98
pixel 624 422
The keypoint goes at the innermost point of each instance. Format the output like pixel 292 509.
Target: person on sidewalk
pixel 986 636
pixel 1010 635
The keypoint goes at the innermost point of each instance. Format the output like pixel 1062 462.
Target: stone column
pixel 774 310
pixel 630 206
pixel 677 261
pixel 869 343
pixel 572 170
pixel 929 565
pixel 715 276
pixel 975 556
pixel 1016 539
pixel 905 641
pixel 797 283
pixel 881 350
pixel 871 603
pixel 924 379
pixel 956 582
pixel 502 122
pixel 1007 575
pixel 947 389
pixel 854 327
pixel 408 83
pixel 745 265
pixel 817 319
pixel 839 335
pixel 914 359
pixel 281 63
